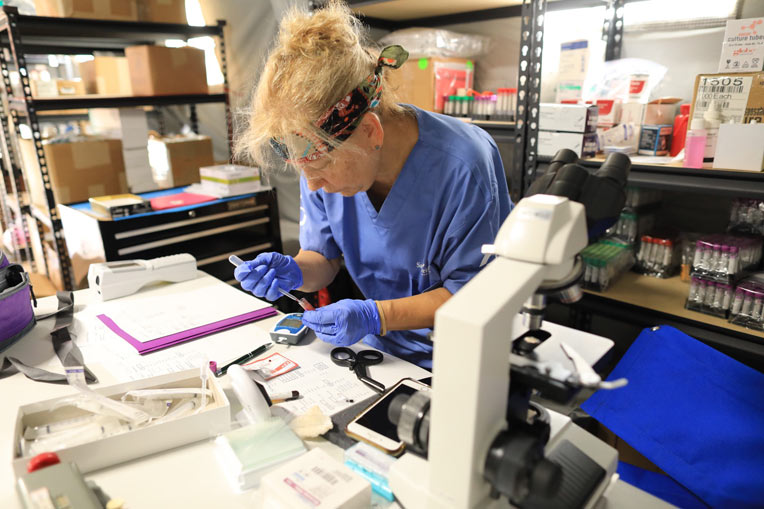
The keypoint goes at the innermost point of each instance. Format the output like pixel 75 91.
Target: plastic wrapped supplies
pixel 431 42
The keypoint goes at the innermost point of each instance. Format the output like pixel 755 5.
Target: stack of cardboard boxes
pixel 571 126
pixel 155 11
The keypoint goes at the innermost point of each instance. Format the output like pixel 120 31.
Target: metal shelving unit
pixel 22 35
pixel 394 15
pixel 523 170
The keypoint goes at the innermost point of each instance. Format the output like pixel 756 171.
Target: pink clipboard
pixel 187 335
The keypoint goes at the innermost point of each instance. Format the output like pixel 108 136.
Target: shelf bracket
pixel 612 29
pixel 528 97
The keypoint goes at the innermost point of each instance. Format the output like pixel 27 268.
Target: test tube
pixel 718 296
pixel 757 307
pixel 737 304
pixel 732 264
pixel 726 300
pixel 716 256
pixel 698 258
pixel 701 294
pixel 745 310
pixel 710 294
pixel 643 247
pixel 694 285
pixel 724 260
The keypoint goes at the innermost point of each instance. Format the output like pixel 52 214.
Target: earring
pixel 377 147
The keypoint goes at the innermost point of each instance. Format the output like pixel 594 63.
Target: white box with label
pixel 740 147
pixel 573 118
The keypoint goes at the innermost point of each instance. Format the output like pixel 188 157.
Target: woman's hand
pixel 268 272
pixel 345 322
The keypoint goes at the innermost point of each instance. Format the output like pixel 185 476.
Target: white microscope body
pixel 472 343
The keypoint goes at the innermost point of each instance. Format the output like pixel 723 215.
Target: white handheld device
pixel 117 279
pixel 252 400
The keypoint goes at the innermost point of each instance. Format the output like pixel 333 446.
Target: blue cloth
pixel 450 198
pixel 659 485
pixel 694 412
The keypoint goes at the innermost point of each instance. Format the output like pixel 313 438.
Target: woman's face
pixel 349 169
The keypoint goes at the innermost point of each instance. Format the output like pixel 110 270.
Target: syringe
pixel 304 304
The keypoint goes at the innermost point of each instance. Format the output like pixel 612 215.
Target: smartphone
pixel 374 427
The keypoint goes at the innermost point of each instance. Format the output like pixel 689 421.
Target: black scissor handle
pixel 370 357
pixel 343 356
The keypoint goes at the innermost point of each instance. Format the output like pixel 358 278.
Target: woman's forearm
pixel 317 270
pixel 415 312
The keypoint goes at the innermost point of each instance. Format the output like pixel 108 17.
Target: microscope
pixel 477 440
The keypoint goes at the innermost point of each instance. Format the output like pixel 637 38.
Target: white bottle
pixel 713 119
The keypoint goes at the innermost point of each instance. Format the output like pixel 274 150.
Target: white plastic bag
pixel 431 42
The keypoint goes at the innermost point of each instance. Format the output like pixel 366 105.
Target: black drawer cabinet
pixel 243 225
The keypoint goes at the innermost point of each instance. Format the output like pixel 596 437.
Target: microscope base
pixel 412 485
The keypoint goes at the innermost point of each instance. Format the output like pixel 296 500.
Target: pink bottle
pixel 695 144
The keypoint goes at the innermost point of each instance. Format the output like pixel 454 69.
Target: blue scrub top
pixel 450 198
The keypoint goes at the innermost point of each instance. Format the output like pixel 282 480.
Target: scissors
pixel 358 362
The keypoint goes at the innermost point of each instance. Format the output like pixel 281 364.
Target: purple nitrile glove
pixel 345 322
pixel 268 272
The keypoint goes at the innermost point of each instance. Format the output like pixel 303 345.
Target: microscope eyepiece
pixel 616 167
pixel 569 182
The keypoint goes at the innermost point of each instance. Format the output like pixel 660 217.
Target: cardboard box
pixel 42 88
pixel 78 170
pixel 632 113
pixel 140 442
pixel 608 112
pixel 571 73
pixel 571 118
pixel 739 99
pixel 740 147
pixel 230 179
pixel 741 96
pixel 120 10
pixel 424 82
pixel 53 266
pixel 70 87
pixel 661 111
pixel 585 145
pixel 158 70
pixel 176 161
pixel 655 140
pixel 743 46
pixel 162 11
pixel 106 76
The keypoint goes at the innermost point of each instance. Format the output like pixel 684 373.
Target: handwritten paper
pixel 160 315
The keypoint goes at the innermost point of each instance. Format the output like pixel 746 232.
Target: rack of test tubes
pixel 657 256
pixel 631 225
pixel 724 257
pixel 719 261
pixel 748 304
pixel 604 261
pixel 747 216
pixel 498 106
pixel 710 297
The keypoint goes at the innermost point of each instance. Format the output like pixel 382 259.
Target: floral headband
pixel 339 121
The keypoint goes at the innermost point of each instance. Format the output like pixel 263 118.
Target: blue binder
pixel 694 412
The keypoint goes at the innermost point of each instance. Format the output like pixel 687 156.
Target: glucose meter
pixel 289 330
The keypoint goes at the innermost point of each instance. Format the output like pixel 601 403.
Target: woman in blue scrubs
pixel 405 197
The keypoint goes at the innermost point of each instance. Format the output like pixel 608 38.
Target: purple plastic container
pixel 3 260
pixel 16 312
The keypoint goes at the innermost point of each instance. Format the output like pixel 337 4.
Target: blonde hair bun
pixel 318 58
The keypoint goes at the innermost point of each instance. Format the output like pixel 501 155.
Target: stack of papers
pixel 150 321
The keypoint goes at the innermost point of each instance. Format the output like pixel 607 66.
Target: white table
pixel 188 476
